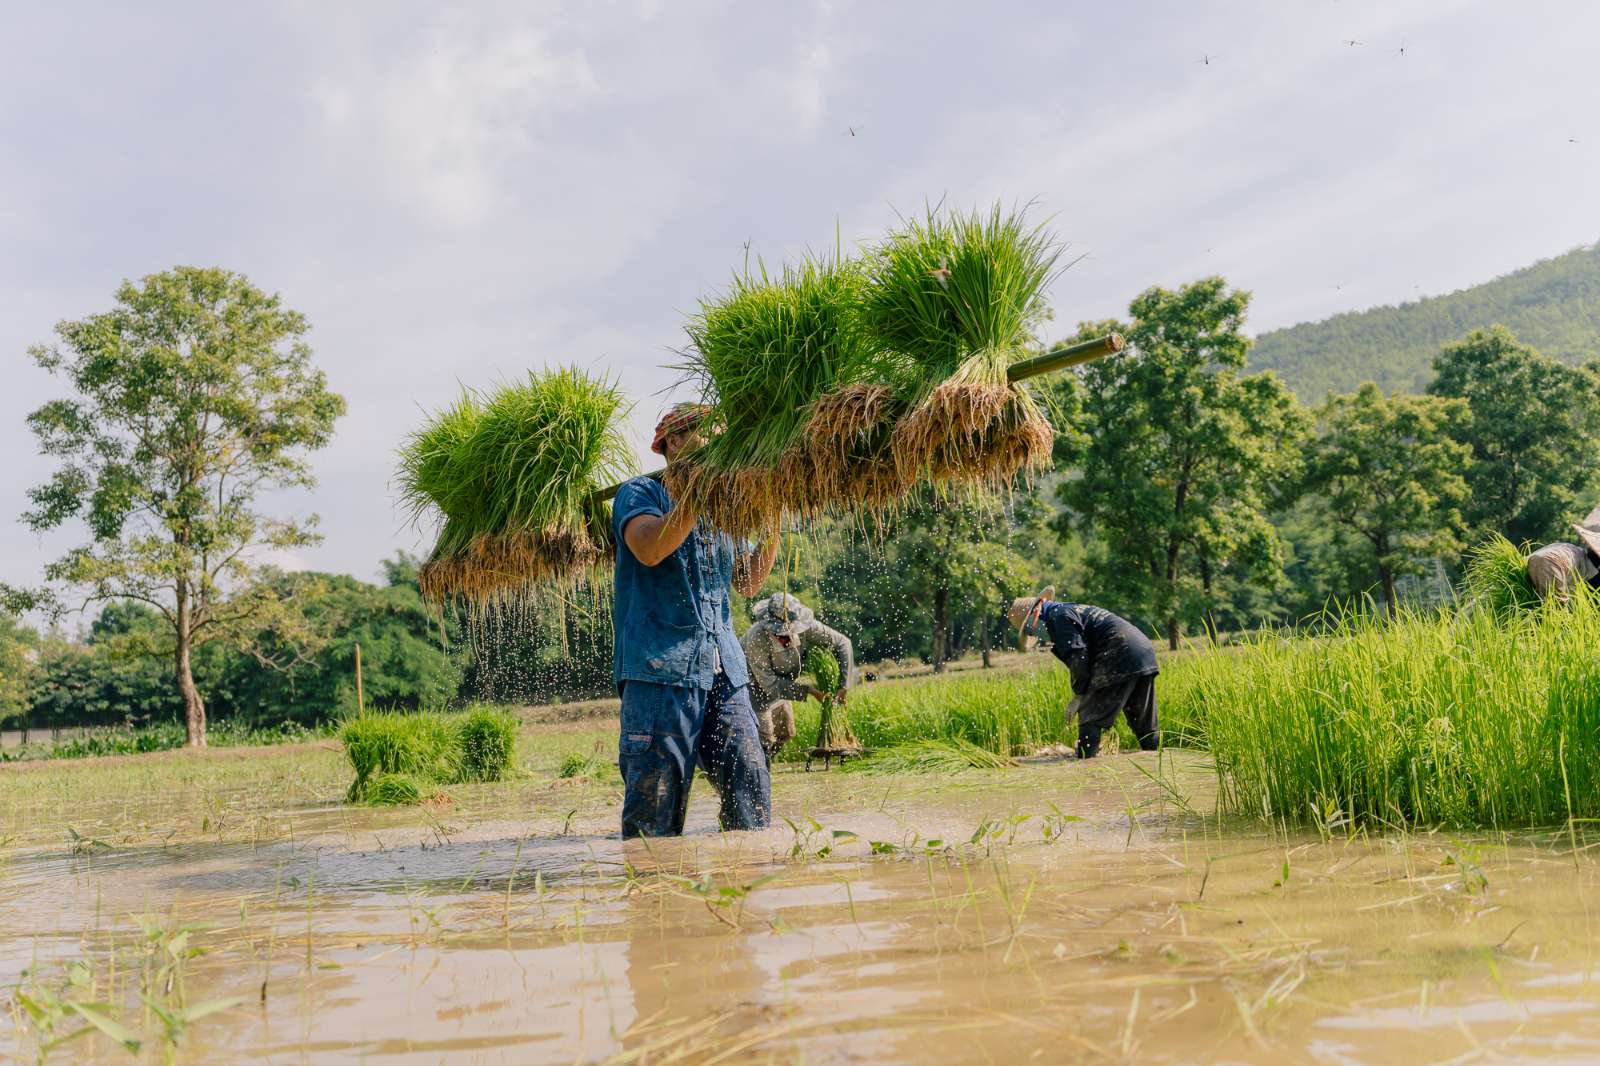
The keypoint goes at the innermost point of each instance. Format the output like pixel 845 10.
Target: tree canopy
pixel 191 396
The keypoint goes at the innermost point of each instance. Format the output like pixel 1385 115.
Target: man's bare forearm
pixel 652 538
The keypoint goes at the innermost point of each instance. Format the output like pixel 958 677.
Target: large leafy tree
pixel 192 396
pixel 1532 435
pixel 1388 469
pixel 1186 456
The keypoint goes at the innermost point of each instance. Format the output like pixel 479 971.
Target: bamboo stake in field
pixel 361 706
pixel 1049 363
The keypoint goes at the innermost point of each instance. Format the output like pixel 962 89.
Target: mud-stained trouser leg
pixel 661 727
pixel 1097 712
pixel 731 755
pixel 1140 711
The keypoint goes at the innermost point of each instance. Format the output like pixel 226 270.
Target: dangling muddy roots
pixel 495 569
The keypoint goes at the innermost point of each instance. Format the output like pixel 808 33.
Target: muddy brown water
pixel 1059 912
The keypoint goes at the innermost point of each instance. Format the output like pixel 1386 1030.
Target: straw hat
pixel 1022 609
pixel 1589 531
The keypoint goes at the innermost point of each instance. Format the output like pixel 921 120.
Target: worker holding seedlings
pixel 679 669
pixel 1113 665
pixel 1555 568
pixel 775 647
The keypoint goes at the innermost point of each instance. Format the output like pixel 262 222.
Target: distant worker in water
pixel 775 647
pixel 1113 665
pixel 1555 568
pixel 679 669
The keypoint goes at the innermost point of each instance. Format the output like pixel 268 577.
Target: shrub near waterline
pixel 1476 718
pixel 476 745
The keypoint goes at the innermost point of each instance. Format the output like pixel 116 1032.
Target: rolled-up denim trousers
pixel 666 732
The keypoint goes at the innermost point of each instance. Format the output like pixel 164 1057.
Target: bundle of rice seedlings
pixel 1496 577
pixel 833 731
pixel 932 756
pixel 953 297
pixel 765 354
pixel 418 744
pixel 399 790
pixel 513 475
pixel 487 739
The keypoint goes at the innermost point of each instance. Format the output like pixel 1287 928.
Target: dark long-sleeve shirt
pixel 1099 648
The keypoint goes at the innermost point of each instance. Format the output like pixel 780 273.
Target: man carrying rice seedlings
pixel 1113 665
pixel 1554 568
pixel 775 647
pixel 680 671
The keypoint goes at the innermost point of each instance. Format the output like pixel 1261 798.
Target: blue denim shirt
pixel 672 620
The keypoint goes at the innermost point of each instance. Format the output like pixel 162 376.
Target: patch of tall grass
pixel 439 748
pixel 1472 717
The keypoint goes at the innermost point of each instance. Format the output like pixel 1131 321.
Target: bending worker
pixel 679 669
pixel 1113 665
pixel 775 647
pixel 1555 568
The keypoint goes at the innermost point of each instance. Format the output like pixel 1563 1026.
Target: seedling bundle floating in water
pixel 514 478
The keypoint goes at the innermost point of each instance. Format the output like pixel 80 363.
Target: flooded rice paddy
pixel 1057 912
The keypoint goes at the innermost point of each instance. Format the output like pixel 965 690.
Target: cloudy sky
pixel 457 192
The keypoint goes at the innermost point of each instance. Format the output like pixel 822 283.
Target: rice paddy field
pixel 1368 847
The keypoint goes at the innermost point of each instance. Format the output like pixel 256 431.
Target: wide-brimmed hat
pixel 1590 537
pixel 1022 609
pixel 782 614
pixel 679 417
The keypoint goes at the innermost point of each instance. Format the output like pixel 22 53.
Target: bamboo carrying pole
pixel 1049 363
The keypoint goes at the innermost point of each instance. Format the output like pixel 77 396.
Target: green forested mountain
pixel 1553 305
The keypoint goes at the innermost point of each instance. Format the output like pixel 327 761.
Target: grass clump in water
pixel 487 737
pixel 948 756
pixel 583 764
pixel 398 790
pixel 427 746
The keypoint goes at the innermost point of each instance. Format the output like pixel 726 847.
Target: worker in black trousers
pixel 1113 665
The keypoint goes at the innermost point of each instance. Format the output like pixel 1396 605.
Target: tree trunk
pixel 1174 632
pixel 1386 575
pixel 194 710
pixel 1210 617
pixel 983 641
pixel 941 639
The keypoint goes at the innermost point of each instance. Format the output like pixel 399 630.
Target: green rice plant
pixel 487 737
pixel 931 756
pixel 399 790
pixel 833 724
pixel 417 743
pixel 584 764
pixel 1496 577
pixel 764 354
pixel 513 476
pixel 953 298
pixel 1460 718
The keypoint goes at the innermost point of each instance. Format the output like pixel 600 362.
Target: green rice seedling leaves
pixel 1496 577
pixel 833 728
pixel 421 744
pixel 397 790
pixel 931 756
pixel 512 476
pixel 766 353
pixel 488 740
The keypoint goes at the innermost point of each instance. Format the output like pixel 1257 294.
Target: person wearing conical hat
pixel 1555 568
pixel 1113 665
pixel 775 648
